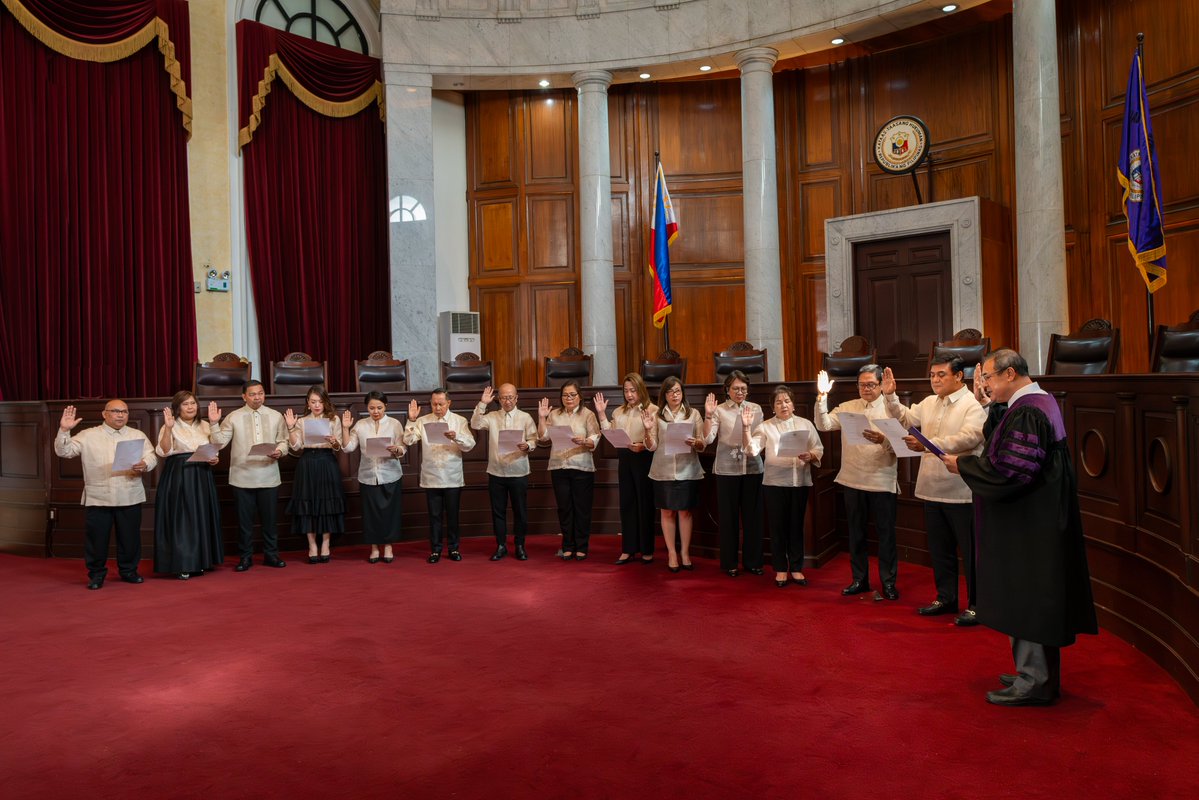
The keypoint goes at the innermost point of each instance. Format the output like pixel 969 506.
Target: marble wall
pixel 210 160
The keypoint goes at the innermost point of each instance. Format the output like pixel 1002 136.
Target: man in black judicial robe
pixel 1033 581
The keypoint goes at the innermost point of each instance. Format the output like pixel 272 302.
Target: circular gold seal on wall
pixel 901 144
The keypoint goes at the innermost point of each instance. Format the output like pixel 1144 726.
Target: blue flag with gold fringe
pixel 1138 175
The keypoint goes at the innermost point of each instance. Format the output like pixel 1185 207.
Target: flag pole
pixel 665 322
pixel 1148 293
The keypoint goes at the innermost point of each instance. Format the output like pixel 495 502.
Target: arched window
pixel 327 21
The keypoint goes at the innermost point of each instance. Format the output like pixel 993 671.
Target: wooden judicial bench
pixel 1134 438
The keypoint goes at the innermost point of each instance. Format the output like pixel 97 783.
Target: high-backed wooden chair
pixel 854 353
pixel 968 344
pixel 221 377
pixel 1093 350
pixel 296 373
pixel 742 356
pixel 668 363
pixel 466 371
pixel 381 372
pixel 571 364
pixel 1176 348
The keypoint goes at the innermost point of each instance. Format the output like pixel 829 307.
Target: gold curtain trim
pixel 114 51
pixel 276 69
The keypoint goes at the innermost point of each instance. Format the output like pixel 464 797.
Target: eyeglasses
pixel 116 411
pixel 987 376
pixel 738 390
pixel 868 385
pixel 507 397
pixel 570 395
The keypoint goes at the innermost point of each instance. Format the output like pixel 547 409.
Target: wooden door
pixel 904 299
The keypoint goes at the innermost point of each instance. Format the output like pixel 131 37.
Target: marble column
pixel 595 229
pixel 1040 202
pixel 411 221
pixel 763 284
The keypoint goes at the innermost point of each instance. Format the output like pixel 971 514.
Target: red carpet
pixel 548 679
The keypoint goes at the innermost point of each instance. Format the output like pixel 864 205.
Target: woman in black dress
pixel 378 475
pixel 318 504
pixel 187 516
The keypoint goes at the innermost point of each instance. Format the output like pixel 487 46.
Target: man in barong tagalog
pixel 1033 581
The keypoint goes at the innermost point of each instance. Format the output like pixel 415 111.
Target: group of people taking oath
pixel 995 476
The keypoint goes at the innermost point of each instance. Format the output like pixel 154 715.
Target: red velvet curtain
pixel 316 199
pixel 95 241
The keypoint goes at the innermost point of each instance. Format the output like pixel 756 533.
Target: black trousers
pixel 738 498
pixel 446 500
pixel 573 489
pixel 98 524
pixel 637 510
pixel 950 528
pixel 260 503
pixel 502 491
pixel 785 507
pixel 859 505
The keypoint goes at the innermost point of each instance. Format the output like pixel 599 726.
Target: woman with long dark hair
pixel 318 503
pixel 677 477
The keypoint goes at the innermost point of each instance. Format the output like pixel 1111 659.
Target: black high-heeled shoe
pixel 781 584
pixel 314 559
pixel 324 559
pixel 373 560
pixel 388 559
pixel 688 567
pixel 673 569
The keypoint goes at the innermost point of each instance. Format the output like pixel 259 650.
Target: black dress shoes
pixel 624 559
pixel 755 570
pixel 936 608
pixel 1010 697
pixel 500 552
pixel 455 555
pixel 243 565
pixel 966 619
pixel 317 559
pixel 890 592
pixel 521 555
pixel 133 577
pixel 279 563
pixel 433 558
pixel 95 583
pixel 857 587
pixel 1007 679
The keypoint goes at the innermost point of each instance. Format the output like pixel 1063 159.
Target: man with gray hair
pixel 868 477
pixel 1033 581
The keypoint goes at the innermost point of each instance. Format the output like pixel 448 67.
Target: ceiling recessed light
pixel 838 40
pixel 644 76
pixel 543 83
pixel 705 68
pixel 950 8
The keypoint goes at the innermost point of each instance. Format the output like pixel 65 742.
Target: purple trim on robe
pixel 1021 462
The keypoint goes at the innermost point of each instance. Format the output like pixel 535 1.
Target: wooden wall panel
pixel 699 128
pixel 817 130
pixel 948 83
pixel 494 144
pixel 501 331
pixel 711 230
pixel 497 237
pixel 551 233
pixel 1169 27
pixel 549 135
pixel 709 317
pixel 819 200
pixel 554 314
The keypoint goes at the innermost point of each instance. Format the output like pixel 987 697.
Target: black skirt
pixel 187 518
pixel 676 495
pixel 382 512
pixel 318 504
